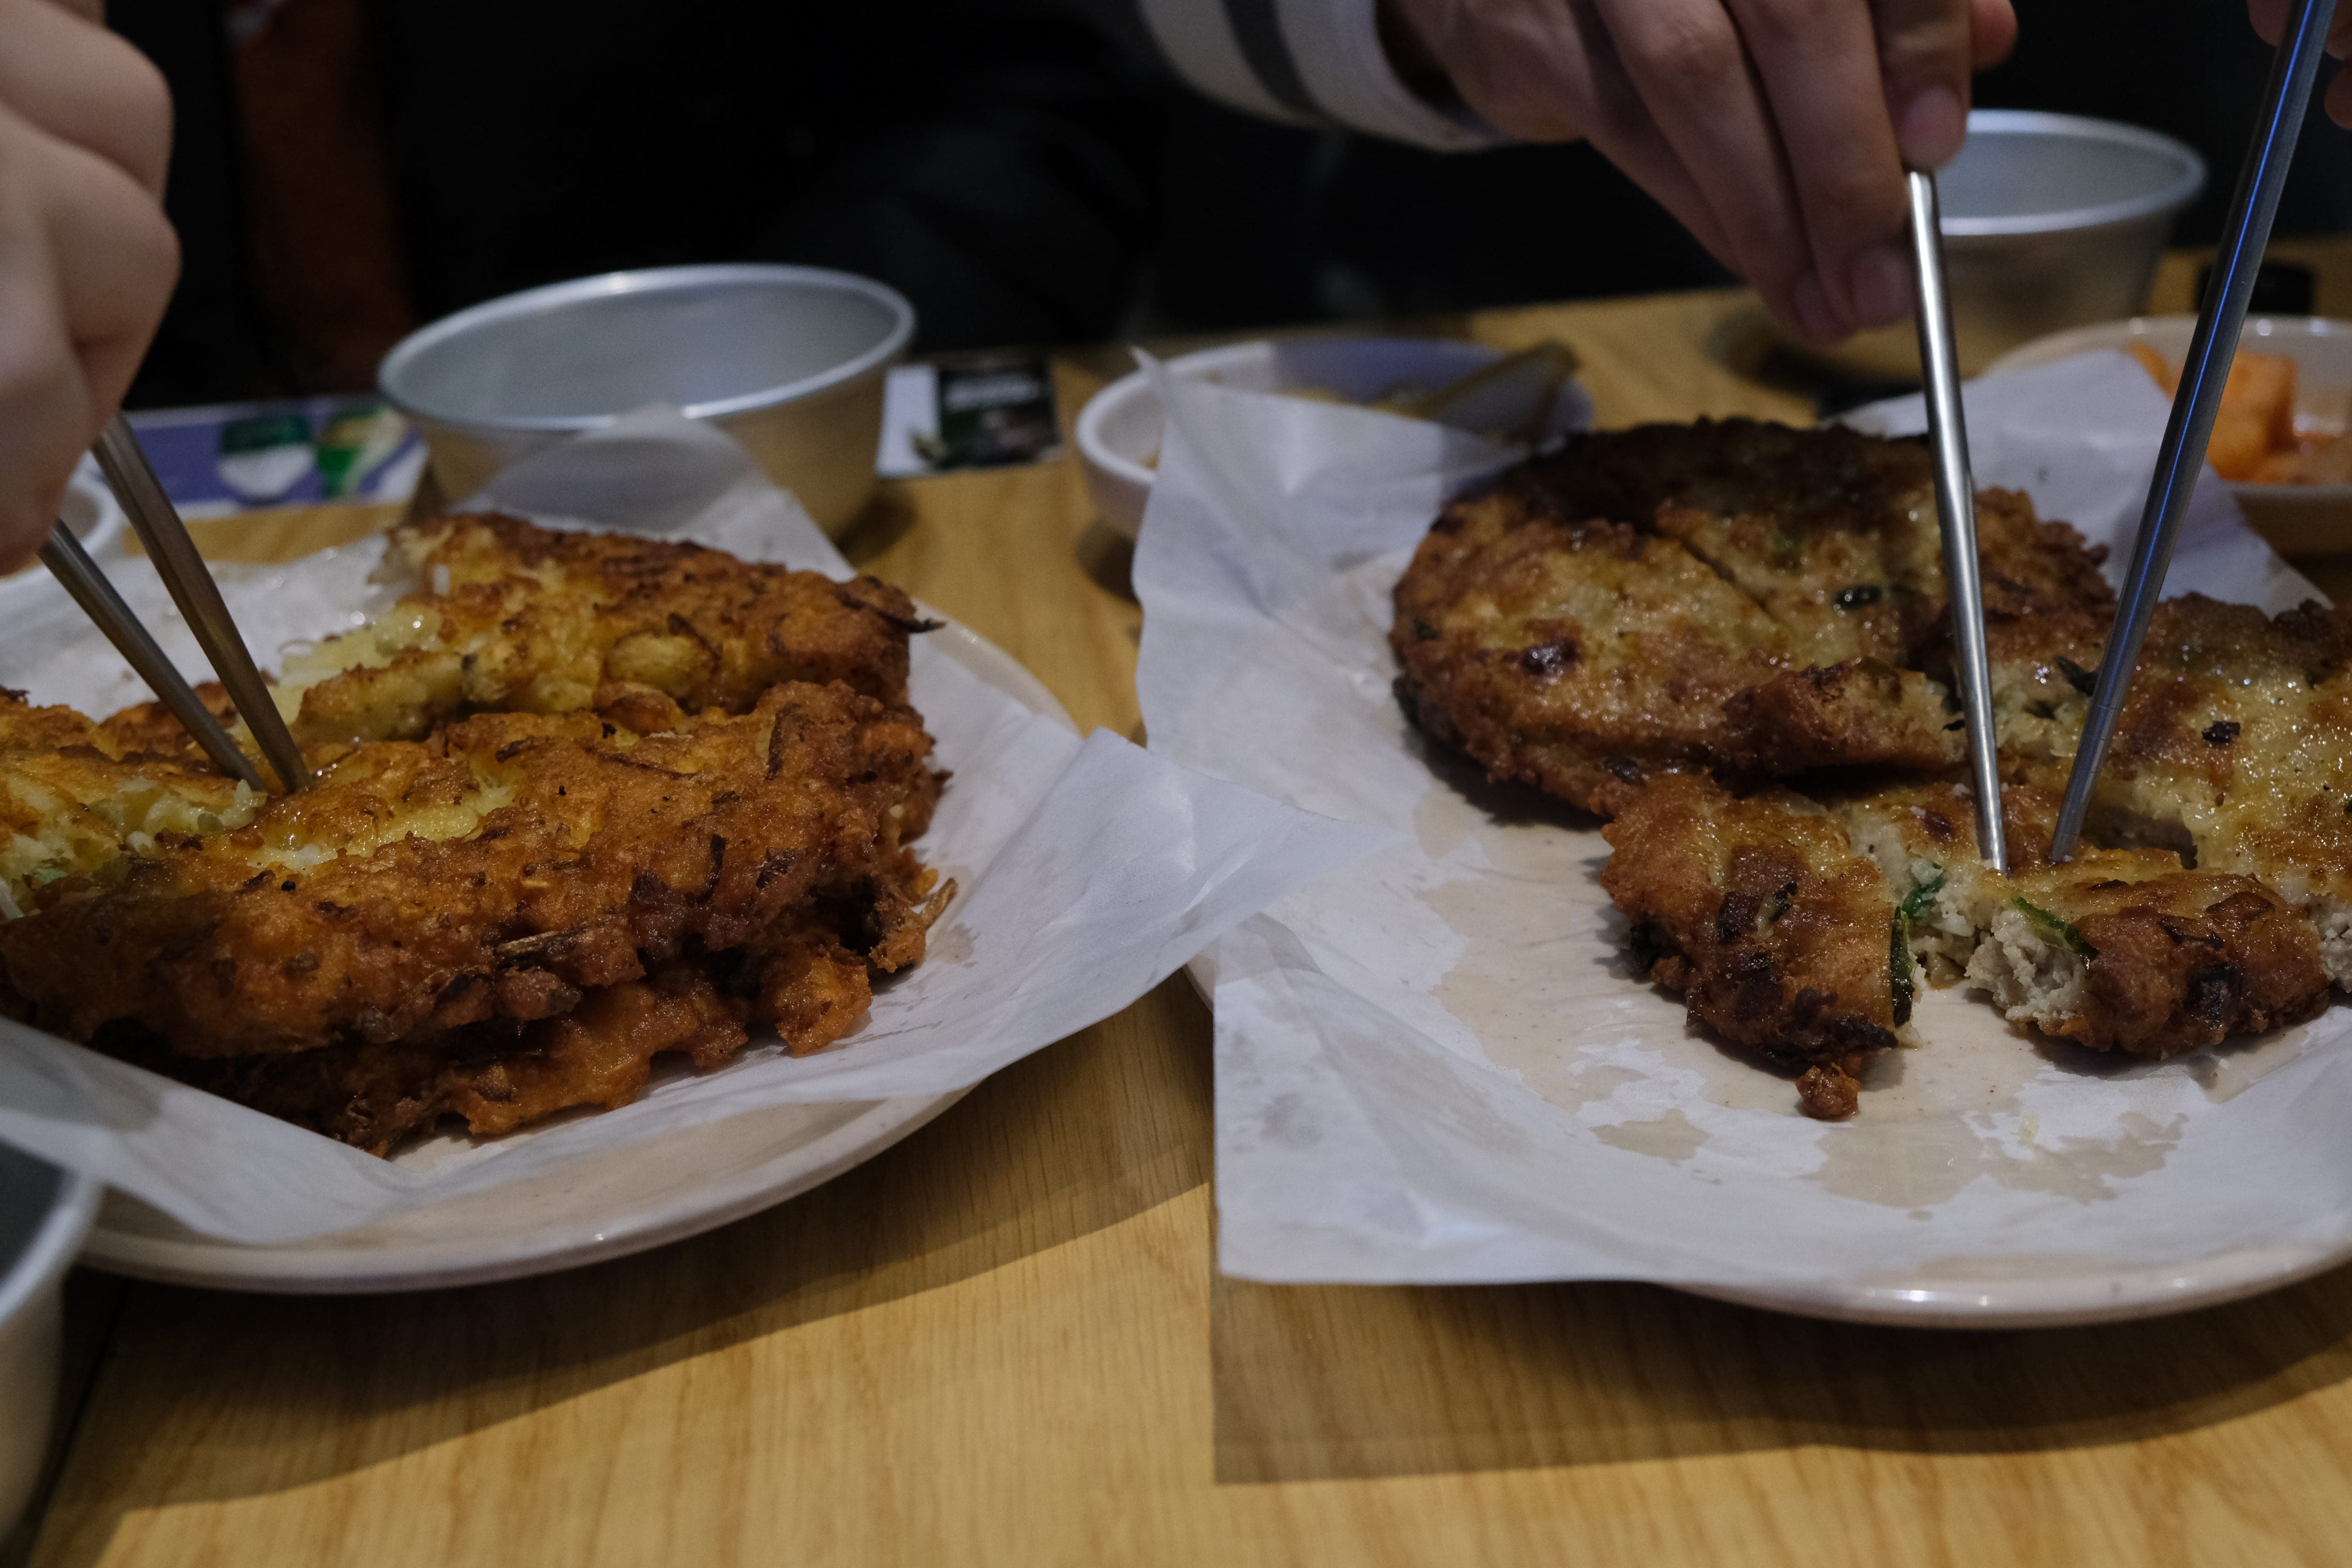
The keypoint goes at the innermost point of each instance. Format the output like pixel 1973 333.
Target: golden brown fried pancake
pixel 1754 602
pixel 582 801
pixel 1737 596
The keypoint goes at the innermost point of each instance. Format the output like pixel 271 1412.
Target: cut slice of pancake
pixel 2118 950
pixel 1780 936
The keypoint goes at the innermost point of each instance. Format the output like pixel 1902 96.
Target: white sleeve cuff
pixel 1307 62
pixel 1346 69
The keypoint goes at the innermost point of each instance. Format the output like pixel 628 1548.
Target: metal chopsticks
pixel 1956 506
pixel 192 589
pixel 2202 376
pixel 70 564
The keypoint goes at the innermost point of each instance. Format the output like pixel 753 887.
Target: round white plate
pixel 640 1197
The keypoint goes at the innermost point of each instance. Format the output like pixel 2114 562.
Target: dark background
pixel 345 169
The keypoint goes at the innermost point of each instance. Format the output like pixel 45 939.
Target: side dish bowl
pixel 1120 429
pixel 790 361
pixel 2298 519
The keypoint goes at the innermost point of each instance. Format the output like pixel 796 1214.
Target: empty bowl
pixel 790 361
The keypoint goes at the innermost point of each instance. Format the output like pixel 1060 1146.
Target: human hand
pixel 86 258
pixel 1777 130
pixel 2270 20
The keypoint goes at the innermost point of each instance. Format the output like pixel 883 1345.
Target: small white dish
pixel 45 1214
pixel 658 1190
pixel 1120 429
pixel 91 511
pixel 2297 519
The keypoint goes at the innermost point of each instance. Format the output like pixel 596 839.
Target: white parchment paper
pixel 1090 871
pixel 1435 1065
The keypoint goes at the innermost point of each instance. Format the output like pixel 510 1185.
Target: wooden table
pixel 1007 1341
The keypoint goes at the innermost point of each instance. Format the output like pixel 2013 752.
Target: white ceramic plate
pixel 2297 519
pixel 650 1192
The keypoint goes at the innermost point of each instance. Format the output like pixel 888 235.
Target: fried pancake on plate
pixel 2118 950
pixel 1672 603
pixel 496 871
pixel 512 617
pixel 1739 596
pixel 1781 937
pixel 582 802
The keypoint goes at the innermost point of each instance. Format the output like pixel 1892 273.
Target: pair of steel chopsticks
pixel 2207 370
pixel 158 523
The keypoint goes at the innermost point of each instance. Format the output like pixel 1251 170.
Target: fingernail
pixel 1882 287
pixel 1933 127
pixel 1812 303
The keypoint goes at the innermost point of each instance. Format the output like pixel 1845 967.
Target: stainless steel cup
pixel 45 1213
pixel 2054 220
pixel 790 361
pixel 2050 221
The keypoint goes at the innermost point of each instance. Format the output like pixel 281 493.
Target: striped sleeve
pixel 1308 62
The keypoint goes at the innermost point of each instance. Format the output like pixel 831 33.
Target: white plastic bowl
pixel 1120 429
pixel 45 1213
pixel 2297 519
pixel 89 510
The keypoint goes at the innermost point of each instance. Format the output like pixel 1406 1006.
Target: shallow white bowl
pixel 91 511
pixel 43 1214
pixel 1120 429
pixel 2297 519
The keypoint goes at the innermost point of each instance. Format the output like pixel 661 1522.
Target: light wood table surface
pixel 1005 1341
